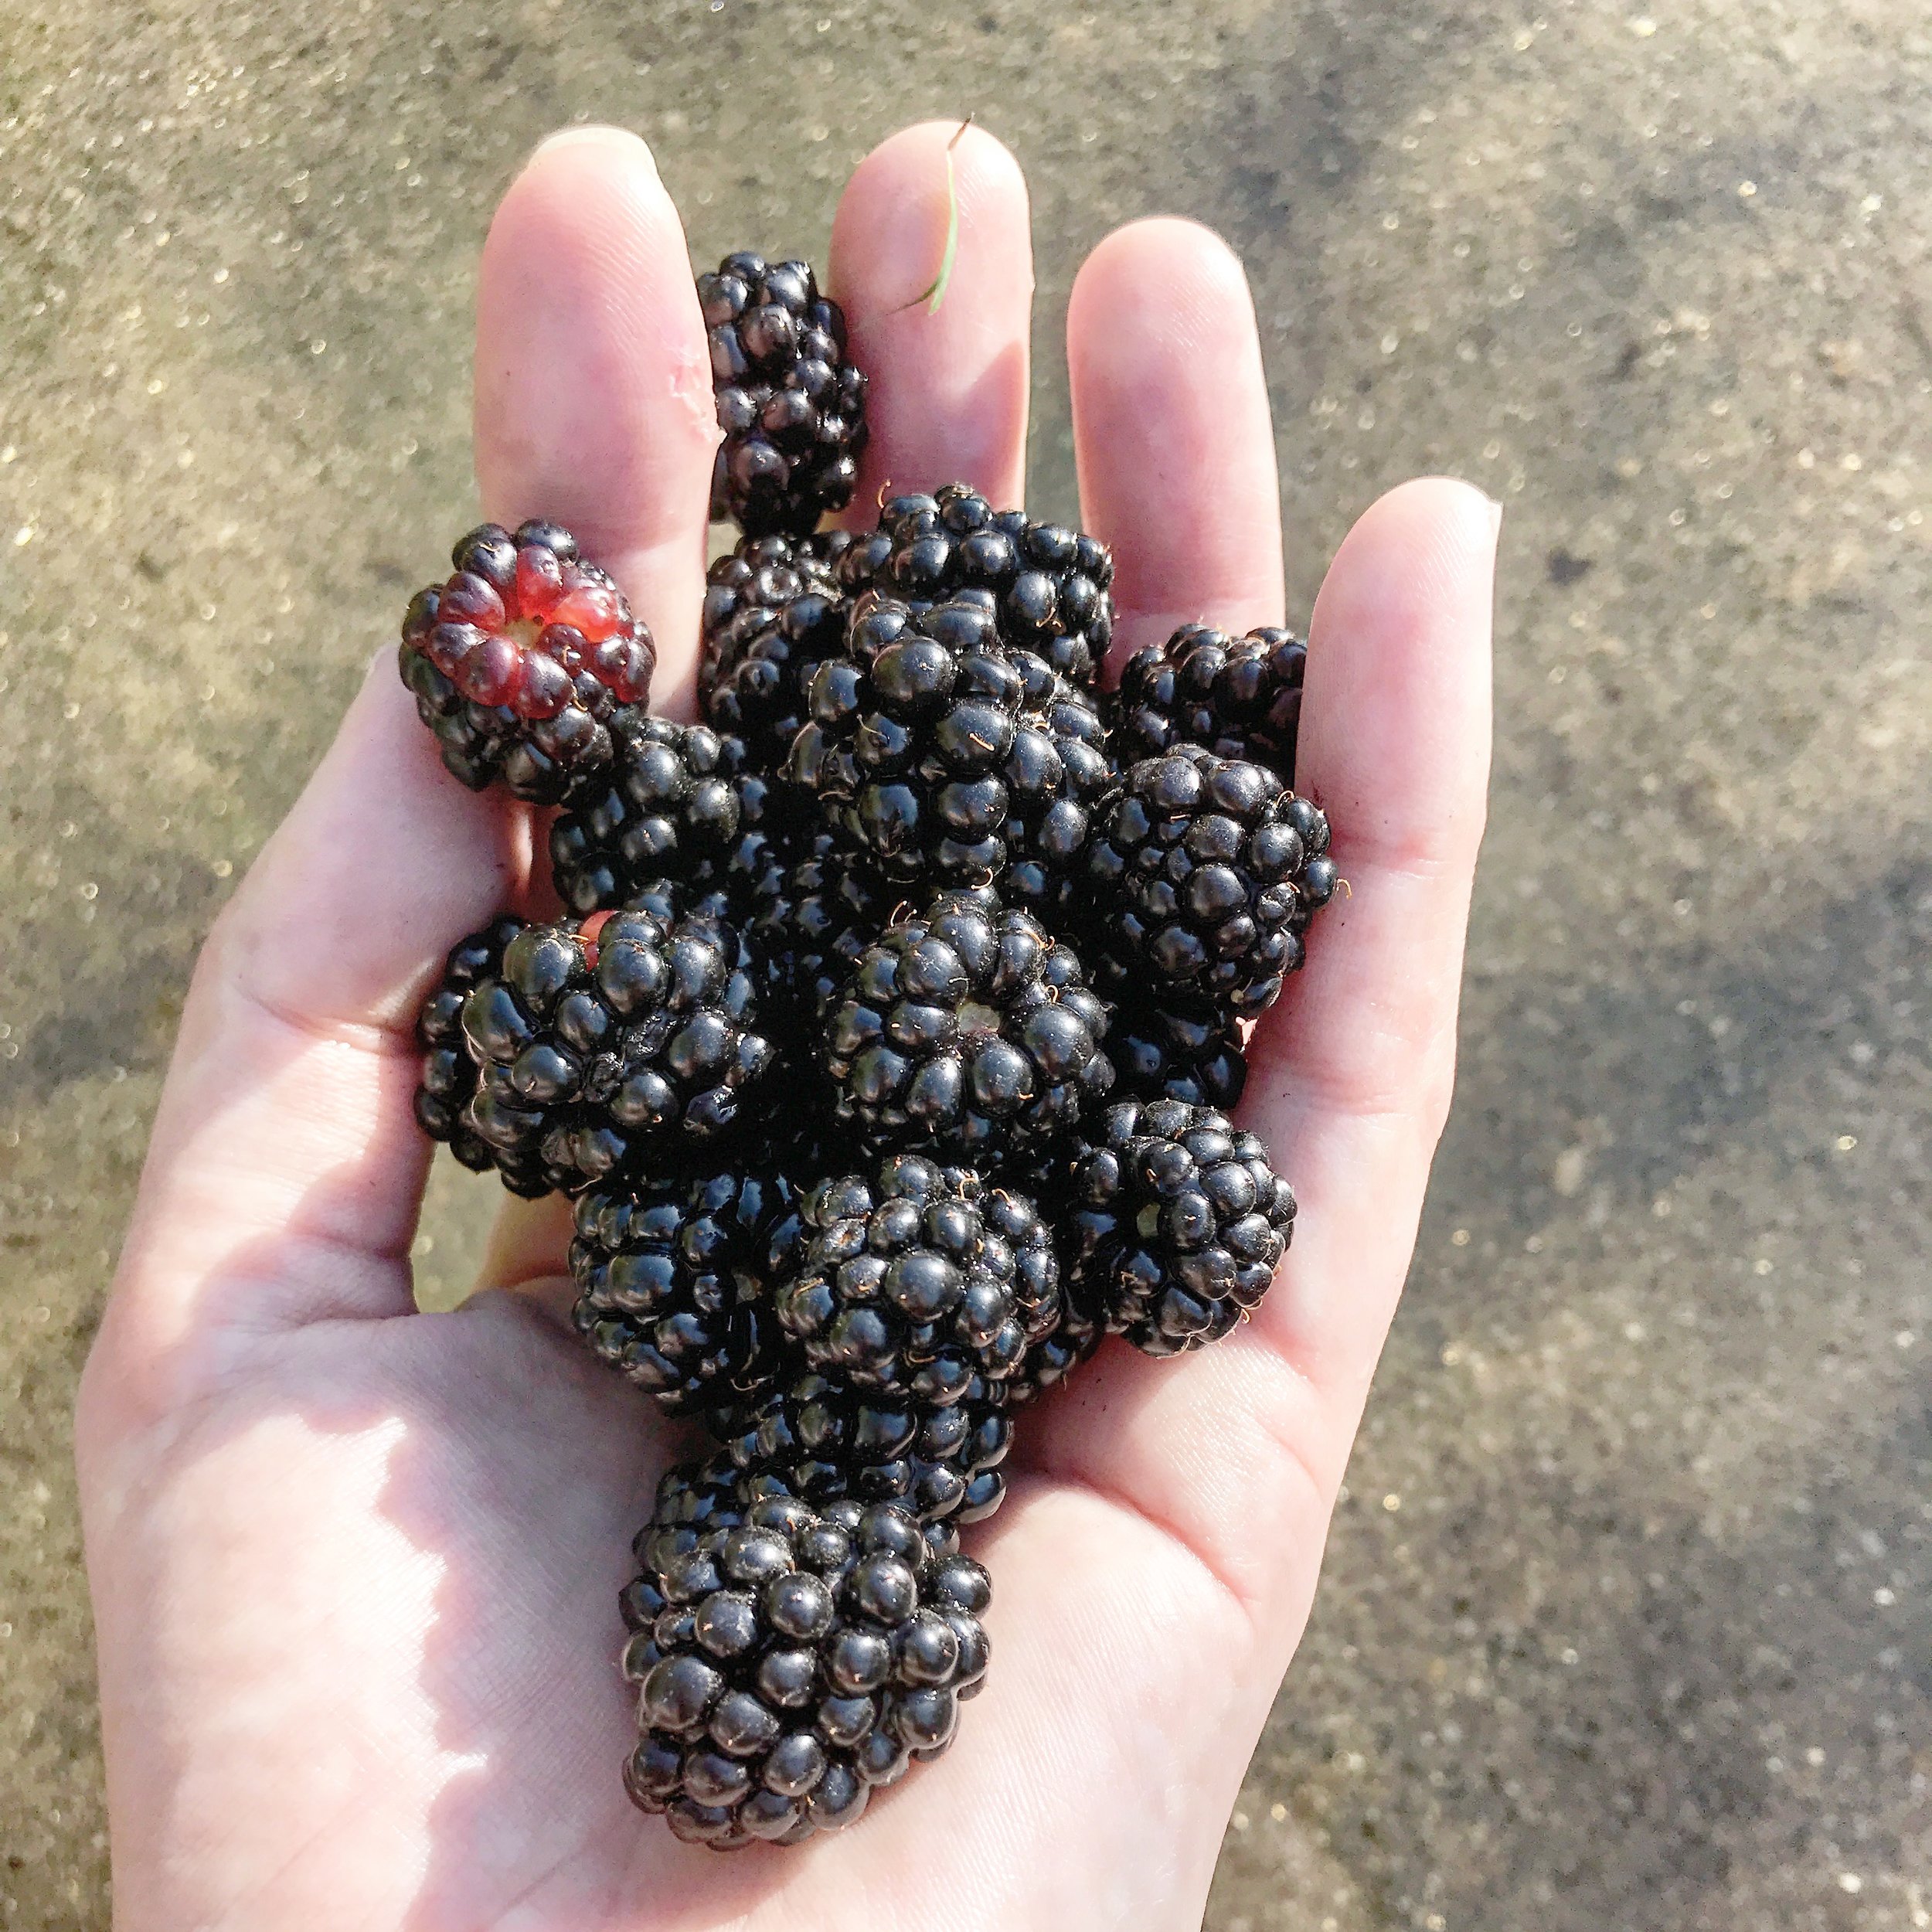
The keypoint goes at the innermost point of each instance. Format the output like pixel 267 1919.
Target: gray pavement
pixel 1628 1618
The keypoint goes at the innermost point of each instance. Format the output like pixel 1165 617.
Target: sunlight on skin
pixel 355 1568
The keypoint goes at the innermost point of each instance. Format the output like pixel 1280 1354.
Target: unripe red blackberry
pixel 1236 697
pixel 793 1664
pixel 966 1028
pixel 917 1282
pixel 1179 1224
pixel 521 662
pixel 792 406
pixel 1206 872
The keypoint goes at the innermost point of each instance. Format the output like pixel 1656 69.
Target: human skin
pixel 355 1568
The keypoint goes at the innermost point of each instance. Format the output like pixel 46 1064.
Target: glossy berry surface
pixel 918 1280
pixel 1206 871
pixel 600 1044
pixel 522 660
pixel 1050 586
pixel 1179 1224
pixel 1169 1052
pixel 825 1440
pixel 1236 697
pixel 946 758
pixel 966 1028
pixel 449 1075
pixel 674 1277
pixel 670 804
pixel 811 922
pixel 790 404
pixel 773 612
pixel 793 1664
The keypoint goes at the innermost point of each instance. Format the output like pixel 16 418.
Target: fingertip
pixel 1173 433
pixel 597 134
pixel 1171 280
pixel 949 384
pixel 1410 593
pixel 594 399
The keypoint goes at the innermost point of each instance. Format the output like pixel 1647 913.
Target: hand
pixel 355 1568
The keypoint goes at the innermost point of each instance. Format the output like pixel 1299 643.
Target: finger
pixel 947 399
pixel 286 1125
pixel 1172 435
pixel 1351 1074
pixel 593 401
pixel 1238 1452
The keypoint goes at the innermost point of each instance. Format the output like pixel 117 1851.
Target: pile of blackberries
pixel 885 1048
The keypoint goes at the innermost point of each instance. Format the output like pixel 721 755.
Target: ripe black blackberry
pixel 1050 584
pixel 773 612
pixel 794 1664
pixel 810 921
pixel 966 1028
pixel 906 753
pixel 1236 697
pixel 924 753
pixel 449 1068
pixel 919 1281
pixel 676 803
pixel 523 660
pixel 599 1044
pixel 673 1277
pixel 823 1440
pixel 791 405
pixel 1206 871
pixel 1072 1340
pixel 1179 1224
pixel 1170 1052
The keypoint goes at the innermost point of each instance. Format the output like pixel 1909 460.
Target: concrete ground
pixel 1627 1619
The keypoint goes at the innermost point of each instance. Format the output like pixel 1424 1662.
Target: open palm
pixel 355 1568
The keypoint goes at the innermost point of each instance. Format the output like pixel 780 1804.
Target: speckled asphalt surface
pixel 1628 1618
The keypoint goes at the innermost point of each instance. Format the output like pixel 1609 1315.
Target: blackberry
pixel 1208 871
pixel 917 1282
pixel 968 1029
pixel 1050 584
pixel 795 1663
pixel 948 758
pixel 773 612
pixel 824 1440
pixel 522 661
pixel 596 1044
pixel 1236 697
pixel 1179 1224
pixel 449 1068
pixel 1172 1054
pixel 674 804
pixel 791 406
pixel 1072 1340
pixel 673 1278
pixel 811 922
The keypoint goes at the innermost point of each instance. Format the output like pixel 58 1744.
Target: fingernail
pixel 595 131
pixel 1495 514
